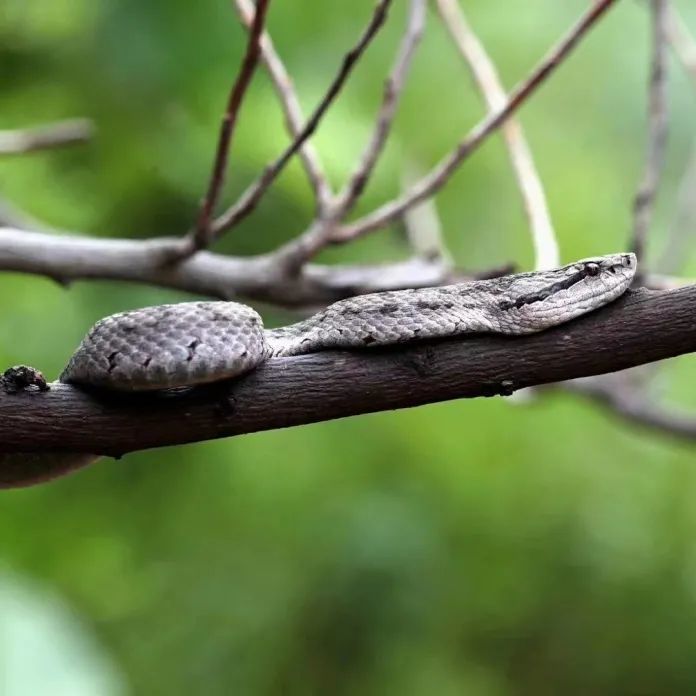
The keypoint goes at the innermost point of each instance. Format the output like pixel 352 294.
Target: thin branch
pixel 657 130
pixel 393 87
pixel 682 41
pixel 485 75
pixel 633 405
pixel 641 327
pixel 12 216
pixel 683 223
pixel 441 173
pixel 294 118
pixel 252 195
pixel 423 228
pixel 319 235
pixel 52 135
pixel 202 233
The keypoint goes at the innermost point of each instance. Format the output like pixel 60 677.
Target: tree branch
pixel 682 41
pixel 657 133
pixel 12 216
pixel 680 236
pixel 634 405
pixel 423 227
pixel 294 118
pixel 249 199
pixel 52 135
pixel 202 230
pixel 641 327
pixel 319 235
pixel 485 75
pixel 65 258
pixel 441 173
pixel 393 87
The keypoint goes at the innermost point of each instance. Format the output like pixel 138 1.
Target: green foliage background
pixel 474 547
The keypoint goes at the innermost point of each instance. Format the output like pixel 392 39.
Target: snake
pixel 192 343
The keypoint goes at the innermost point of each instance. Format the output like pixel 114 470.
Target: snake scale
pixel 192 343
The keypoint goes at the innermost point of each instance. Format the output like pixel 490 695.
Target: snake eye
pixel 592 269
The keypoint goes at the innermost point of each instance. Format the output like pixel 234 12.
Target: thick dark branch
pixel 642 327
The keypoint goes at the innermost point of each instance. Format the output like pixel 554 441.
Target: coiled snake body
pixel 197 342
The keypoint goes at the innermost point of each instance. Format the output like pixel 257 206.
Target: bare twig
pixel 486 77
pixel 319 235
pixel 657 131
pixel 294 118
pixel 682 41
pixel 393 86
pixel 12 216
pixel 440 174
pixel 642 326
pixel 202 232
pixel 253 194
pixel 633 405
pixel 52 135
pixel 423 228
pixel 683 223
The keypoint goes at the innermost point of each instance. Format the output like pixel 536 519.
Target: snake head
pixel 530 302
